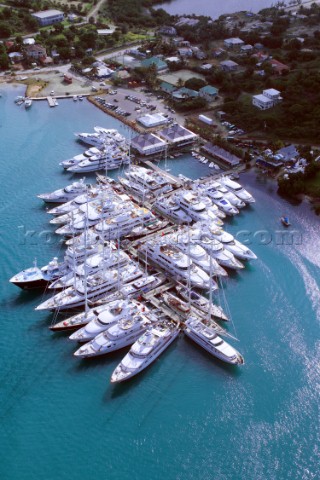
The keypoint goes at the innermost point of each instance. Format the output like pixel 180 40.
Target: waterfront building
pixel 222 155
pixel 48 17
pixel 176 135
pixel 148 144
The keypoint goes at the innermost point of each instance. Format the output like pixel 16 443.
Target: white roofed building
pixel 233 42
pixel 267 99
pixel 48 17
pixel 152 120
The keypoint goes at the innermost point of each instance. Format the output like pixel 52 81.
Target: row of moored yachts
pixel 179 252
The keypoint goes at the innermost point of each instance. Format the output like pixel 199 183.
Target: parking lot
pixel 136 103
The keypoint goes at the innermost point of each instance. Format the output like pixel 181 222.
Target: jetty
pixel 52 101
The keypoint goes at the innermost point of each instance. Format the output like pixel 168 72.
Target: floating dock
pixel 52 101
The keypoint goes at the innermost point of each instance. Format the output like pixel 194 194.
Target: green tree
pixel 5 30
pixel 195 83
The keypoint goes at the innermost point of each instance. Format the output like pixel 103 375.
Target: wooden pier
pixel 171 178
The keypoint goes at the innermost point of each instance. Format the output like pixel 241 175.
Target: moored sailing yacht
pixel 201 303
pixel 119 335
pixel 174 262
pixel 92 288
pixel 205 336
pixel 114 312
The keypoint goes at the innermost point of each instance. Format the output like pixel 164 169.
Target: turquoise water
pixel 187 416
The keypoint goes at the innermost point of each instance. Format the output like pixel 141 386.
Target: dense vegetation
pixel 299 183
pixel 13 21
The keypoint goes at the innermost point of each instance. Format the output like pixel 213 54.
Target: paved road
pixel 94 11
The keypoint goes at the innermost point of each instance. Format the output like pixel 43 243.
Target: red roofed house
pixel 35 52
pixel 278 67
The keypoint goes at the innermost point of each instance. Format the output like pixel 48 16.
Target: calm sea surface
pixel 213 8
pixel 187 417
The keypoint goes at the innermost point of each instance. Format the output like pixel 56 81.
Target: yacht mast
pixel 85 257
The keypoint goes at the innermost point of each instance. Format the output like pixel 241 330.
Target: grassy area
pixel 133 37
pixel 34 86
pixel 313 184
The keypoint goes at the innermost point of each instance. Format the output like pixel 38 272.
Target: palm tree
pixel 180 83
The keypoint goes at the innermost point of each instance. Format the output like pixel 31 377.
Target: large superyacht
pixel 205 336
pixel 146 349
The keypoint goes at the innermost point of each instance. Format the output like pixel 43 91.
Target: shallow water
pixel 187 416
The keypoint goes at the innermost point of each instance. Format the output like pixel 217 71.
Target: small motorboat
pixel 285 221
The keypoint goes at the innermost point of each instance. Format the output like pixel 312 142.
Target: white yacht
pixel 108 259
pixel 114 312
pixel 151 226
pixel 91 209
pixel 119 335
pixel 27 103
pixel 93 193
pixel 83 318
pixel 185 310
pixel 205 336
pixel 134 188
pixel 100 137
pixel 39 278
pixel 93 214
pixel 168 207
pixel 93 139
pixel 111 135
pixel 138 287
pixel 91 289
pixel 230 243
pixel 142 285
pixel 210 205
pixel 147 180
pixel 221 202
pixel 65 194
pixel 201 303
pixel 237 189
pixel 216 249
pixel 174 262
pixel 123 223
pixel 146 349
pixel 194 207
pixel 91 152
pixel 198 255
pixel 112 159
pixel 177 305
pixel 231 197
